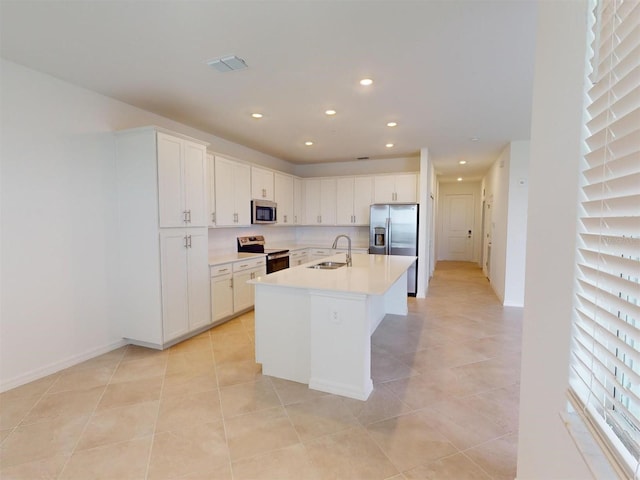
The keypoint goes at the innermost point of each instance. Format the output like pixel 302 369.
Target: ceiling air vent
pixel 227 64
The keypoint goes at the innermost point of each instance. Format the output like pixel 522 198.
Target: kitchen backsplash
pixel 223 240
pixel 324 236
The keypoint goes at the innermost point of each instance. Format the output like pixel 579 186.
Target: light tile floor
pixel 445 405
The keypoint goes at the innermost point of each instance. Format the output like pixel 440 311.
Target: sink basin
pixel 327 265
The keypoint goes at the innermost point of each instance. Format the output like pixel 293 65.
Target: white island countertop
pixel 369 275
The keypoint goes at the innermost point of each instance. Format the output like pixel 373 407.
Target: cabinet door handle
pixel 184 216
pixel 189 240
pixel 186 242
pixel 295 219
pixel 285 219
pixel 231 283
pixel 188 216
pixel 213 217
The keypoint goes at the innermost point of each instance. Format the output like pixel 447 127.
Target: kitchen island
pixel 314 325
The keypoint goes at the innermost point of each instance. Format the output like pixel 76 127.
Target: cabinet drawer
pixel 249 263
pixel 321 251
pixel 218 270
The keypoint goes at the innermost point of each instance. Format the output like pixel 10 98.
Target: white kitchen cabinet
pixel 320 253
pixel 243 292
pixel 211 190
pixel 232 193
pixel 184 281
pixel 261 184
pixel 398 188
pixel 181 181
pixel 320 201
pixel 284 198
pixel 354 196
pixel 298 257
pixel 298 210
pixel 162 293
pixel 221 291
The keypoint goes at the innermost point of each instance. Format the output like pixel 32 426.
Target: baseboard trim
pixel 57 366
pixel 342 389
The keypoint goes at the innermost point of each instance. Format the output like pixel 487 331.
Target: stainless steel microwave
pixel 263 211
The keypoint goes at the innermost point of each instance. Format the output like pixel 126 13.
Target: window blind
pixel 605 363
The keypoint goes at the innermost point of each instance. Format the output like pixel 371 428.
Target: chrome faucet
pixel 335 244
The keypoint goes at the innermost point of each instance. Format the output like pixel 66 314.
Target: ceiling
pixel 455 75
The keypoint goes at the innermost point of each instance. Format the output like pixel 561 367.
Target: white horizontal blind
pixel 605 364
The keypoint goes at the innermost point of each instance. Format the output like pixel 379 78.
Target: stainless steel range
pixel 277 259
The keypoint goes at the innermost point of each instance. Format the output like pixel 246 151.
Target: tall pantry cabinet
pixel 163 274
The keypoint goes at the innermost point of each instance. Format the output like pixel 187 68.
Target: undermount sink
pixel 327 265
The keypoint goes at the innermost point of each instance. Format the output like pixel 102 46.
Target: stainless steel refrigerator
pixel 394 231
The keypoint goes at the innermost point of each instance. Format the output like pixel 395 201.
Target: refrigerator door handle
pixel 387 246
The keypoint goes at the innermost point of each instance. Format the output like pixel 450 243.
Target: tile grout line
pixel 155 423
pixel 222 417
pixel 90 416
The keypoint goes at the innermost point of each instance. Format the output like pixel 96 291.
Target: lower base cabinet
pixel 184 281
pixel 298 257
pixel 243 293
pixel 230 292
pixel 319 253
pixel 221 291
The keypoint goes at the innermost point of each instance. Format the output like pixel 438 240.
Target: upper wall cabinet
pixel 211 168
pixel 298 210
pixel 232 193
pixel 354 196
pixel 320 201
pixel 284 198
pixel 181 181
pixel 398 188
pixel 261 183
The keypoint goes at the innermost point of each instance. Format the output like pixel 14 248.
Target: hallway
pixel 445 405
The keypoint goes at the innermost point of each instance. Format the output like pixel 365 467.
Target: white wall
pixel 58 219
pixel 495 186
pixel 459 188
pixel 516 224
pixel 505 189
pixel 425 228
pixel 544 447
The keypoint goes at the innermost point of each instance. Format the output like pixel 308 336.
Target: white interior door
pixel 458 227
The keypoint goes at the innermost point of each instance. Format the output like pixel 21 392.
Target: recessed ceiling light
pixel 330 112
pixel 459 179
pixel 392 124
pixel 462 162
pixel 308 143
pixel 389 145
pixel 256 115
pixel 365 82
pixel 474 139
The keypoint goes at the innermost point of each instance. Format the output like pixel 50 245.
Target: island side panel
pixel 282 332
pixel 341 344
pixel 395 299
